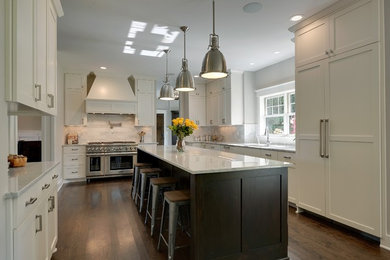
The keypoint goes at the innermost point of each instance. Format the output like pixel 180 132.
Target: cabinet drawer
pixel 269 154
pixel 77 149
pixel 286 157
pixel 74 172
pixel 74 160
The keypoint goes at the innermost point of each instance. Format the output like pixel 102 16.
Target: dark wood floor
pixel 99 221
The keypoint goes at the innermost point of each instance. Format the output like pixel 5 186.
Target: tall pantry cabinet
pixel 338 116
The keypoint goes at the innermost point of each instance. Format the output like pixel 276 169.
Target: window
pixel 277 110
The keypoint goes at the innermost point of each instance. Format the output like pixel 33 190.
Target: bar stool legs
pixel 174 199
pixel 136 172
pixel 145 174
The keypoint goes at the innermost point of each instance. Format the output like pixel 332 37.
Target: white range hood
pixel 111 95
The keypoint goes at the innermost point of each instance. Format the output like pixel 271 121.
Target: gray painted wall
pixel 250 113
pixel 276 74
pixel 3 135
pixel 59 119
pixel 387 89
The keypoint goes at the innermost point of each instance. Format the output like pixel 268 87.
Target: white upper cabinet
pixel 146 102
pixel 350 28
pixel 32 50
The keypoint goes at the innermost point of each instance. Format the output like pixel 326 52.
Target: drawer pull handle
pixel 31 201
pixel 75 149
pixel 55 176
pixel 287 157
pixel 75 172
pixel 227 147
pixel 75 159
pixel 40 223
pixel 46 186
pixel 52 203
pixel 268 154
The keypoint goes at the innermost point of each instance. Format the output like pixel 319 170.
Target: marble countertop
pixel 275 147
pixel 21 178
pixel 200 161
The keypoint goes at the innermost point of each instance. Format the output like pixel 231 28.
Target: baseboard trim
pixel 385 243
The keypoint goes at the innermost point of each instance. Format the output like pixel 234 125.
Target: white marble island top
pixel 200 161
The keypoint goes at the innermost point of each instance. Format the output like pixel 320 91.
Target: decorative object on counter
pixel 17 160
pixel 214 63
pixel 184 81
pixel 141 136
pixel 72 138
pixel 166 92
pixel 181 128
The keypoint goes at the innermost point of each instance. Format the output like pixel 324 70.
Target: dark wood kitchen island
pixel 238 203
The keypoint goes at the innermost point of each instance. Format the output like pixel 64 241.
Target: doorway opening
pixel 160 128
pixel 174 114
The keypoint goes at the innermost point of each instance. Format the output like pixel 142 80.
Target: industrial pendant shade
pixel 214 63
pixel 166 92
pixel 184 81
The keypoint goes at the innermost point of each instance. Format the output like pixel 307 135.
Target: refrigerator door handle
pixel 326 143
pixel 322 154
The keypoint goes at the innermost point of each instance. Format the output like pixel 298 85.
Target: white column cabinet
pixel 32 61
pixel 146 102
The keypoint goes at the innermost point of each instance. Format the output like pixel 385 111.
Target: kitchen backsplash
pixel 98 129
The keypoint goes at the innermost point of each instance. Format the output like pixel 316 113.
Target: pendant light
pixel 184 81
pixel 166 92
pixel 214 64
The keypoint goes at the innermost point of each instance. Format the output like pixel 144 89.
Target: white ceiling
pixel 92 33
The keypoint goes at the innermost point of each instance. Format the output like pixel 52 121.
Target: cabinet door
pixel 310 108
pixel 74 106
pixel 52 224
pixel 268 154
pixel 51 60
pixel 24 239
pixel 73 81
pixel 222 115
pixel 41 232
pixel 145 109
pixel 353 134
pixel 145 86
pixel 355 26
pixel 292 176
pixel 23 87
pixel 212 109
pixel 197 109
pixel 40 57
pixel 312 42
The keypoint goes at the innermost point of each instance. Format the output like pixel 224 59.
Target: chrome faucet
pixel 267 135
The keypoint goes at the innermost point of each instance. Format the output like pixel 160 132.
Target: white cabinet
pixel 338 126
pixel 74 162
pixel 33 220
pixel 74 99
pixel 146 102
pixel 225 101
pixel 32 61
pixel 293 188
pixel 197 104
pixel 350 28
pixel 51 73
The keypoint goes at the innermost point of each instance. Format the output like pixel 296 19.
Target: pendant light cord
pixel 184 45
pixel 213 17
pixel 166 66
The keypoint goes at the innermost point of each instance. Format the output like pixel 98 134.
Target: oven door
pixel 120 164
pixel 96 165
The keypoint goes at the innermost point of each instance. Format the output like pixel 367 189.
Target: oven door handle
pixel 96 155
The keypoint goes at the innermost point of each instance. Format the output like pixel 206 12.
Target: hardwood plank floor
pixel 100 221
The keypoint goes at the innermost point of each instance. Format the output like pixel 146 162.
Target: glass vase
pixel 180 144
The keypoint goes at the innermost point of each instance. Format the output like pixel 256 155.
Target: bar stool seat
pixel 146 174
pixel 174 199
pixel 156 186
pixel 134 184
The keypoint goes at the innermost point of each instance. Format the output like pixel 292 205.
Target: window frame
pixel 286 90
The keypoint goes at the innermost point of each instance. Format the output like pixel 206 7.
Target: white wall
pixel 250 98
pixel 276 74
pixel 59 119
pixel 3 136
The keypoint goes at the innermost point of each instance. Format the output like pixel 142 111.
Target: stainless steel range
pixel 106 159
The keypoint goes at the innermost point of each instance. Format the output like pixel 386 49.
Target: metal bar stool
pixel 156 186
pixel 175 199
pixel 134 185
pixel 145 175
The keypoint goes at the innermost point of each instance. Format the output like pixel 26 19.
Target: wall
pixel 276 74
pixel 250 105
pixel 98 129
pixel 29 128
pixel 3 135
pixel 59 119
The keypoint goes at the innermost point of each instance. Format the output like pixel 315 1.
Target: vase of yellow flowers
pixel 181 128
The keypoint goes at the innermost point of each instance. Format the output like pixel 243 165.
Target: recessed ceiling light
pixel 252 63
pixel 296 18
pixel 251 8
pixel 103 68
pixel 196 76
pixel 276 52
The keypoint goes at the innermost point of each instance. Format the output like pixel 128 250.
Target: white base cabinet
pixel 74 162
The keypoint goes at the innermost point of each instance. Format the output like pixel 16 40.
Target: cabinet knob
pixel 287 157
pixel 31 201
pixel 46 186
pixel 326 52
pixel 55 176
pixel 268 155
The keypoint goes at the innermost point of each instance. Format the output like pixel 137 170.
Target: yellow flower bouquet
pixel 181 128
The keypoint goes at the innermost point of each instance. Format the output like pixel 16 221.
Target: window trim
pixel 285 89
